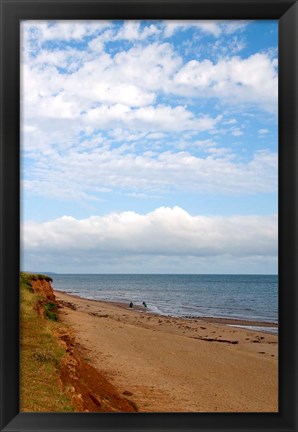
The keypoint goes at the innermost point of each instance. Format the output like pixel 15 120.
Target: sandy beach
pixel 166 364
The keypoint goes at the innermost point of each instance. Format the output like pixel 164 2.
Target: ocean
pixel 245 297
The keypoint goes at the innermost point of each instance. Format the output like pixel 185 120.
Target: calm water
pixel 252 297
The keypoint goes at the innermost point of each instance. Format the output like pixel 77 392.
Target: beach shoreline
pixel 208 319
pixel 173 364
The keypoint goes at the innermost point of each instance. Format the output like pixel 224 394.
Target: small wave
pixel 155 309
pixel 257 328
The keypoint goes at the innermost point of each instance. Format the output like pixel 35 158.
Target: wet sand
pixel 167 364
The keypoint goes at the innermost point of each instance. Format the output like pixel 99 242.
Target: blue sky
pixel 149 146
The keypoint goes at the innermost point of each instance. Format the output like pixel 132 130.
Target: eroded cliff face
pixel 87 388
pixel 44 288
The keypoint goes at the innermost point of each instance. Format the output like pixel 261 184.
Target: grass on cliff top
pixel 34 276
pixel 40 356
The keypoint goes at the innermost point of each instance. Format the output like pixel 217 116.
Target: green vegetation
pixel 51 311
pixel 40 354
pixel 25 281
pixel 34 276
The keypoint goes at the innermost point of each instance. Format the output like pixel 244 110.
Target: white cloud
pixel 97 90
pixel 263 131
pixel 28 129
pixel 165 231
pixel 235 80
pixel 150 173
pixel 229 121
pixel 62 30
pixel 236 132
pixel 149 118
pixel 93 80
pixel 94 77
pixel 156 135
pixel 197 144
pixel 151 66
pixel 214 27
pixel 107 111
pixel 131 30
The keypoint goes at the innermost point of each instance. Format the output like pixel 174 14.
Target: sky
pixel 149 146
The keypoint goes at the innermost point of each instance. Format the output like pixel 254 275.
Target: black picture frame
pixel 12 12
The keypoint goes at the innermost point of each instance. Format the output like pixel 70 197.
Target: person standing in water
pixel 144 304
